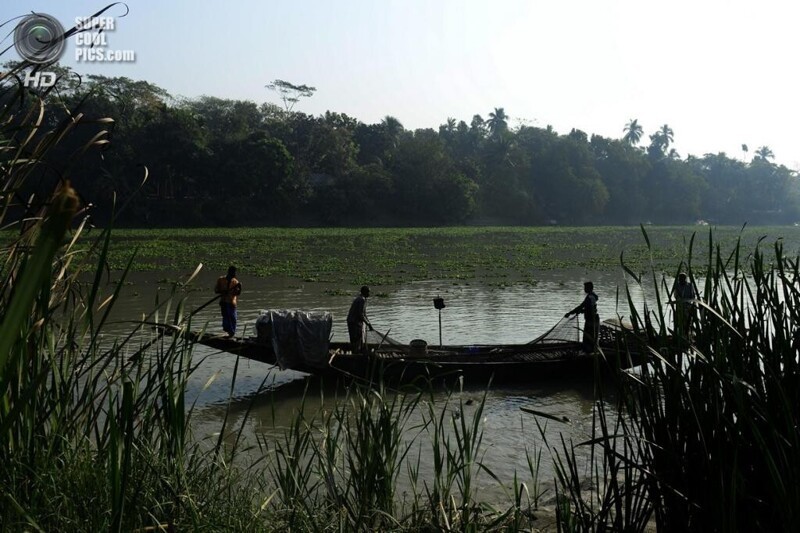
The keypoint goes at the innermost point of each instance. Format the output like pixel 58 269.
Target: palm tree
pixel 633 132
pixel 447 129
pixel 499 152
pixel 498 121
pixel 744 151
pixel 765 153
pixel 393 128
pixel 666 135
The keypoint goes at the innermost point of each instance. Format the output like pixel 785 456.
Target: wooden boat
pixel 477 363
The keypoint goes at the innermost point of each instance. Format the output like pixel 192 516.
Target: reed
pixel 93 433
pixel 340 468
pixel 706 437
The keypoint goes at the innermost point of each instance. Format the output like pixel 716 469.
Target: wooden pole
pixel 440 328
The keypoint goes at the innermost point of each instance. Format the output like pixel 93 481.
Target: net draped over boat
pixel 297 337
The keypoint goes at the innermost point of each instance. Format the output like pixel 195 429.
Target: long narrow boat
pixel 543 358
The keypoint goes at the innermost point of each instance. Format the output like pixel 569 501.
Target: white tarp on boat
pixel 299 338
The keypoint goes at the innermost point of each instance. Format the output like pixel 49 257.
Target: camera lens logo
pixel 39 38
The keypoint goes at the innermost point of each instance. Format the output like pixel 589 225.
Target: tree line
pixel 222 162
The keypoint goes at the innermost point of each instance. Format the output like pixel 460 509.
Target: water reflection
pixel 510 436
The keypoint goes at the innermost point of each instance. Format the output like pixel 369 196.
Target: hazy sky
pixel 720 73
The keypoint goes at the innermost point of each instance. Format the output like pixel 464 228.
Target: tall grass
pixel 93 434
pixel 707 437
pixel 340 468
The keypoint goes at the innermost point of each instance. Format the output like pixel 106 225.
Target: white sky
pixel 720 73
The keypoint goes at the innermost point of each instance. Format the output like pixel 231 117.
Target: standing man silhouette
pixel 356 320
pixel 683 294
pixel 229 289
pixel 591 324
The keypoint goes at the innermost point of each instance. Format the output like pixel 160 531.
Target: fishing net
pixel 376 337
pixel 567 329
pixel 561 342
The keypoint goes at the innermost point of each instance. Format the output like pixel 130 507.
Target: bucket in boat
pixel 418 347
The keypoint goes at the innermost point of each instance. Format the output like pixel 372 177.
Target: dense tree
pixel 364 194
pixel 675 192
pixel 478 124
pixel 576 192
pixel 501 196
pixel 226 120
pixel 330 148
pixel 373 143
pixel 449 127
pixel 767 185
pixel 624 173
pixel 724 199
pixel 231 162
pixel 428 189
pixel 256 184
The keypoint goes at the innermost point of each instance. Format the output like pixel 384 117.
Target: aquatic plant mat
pixel 492 256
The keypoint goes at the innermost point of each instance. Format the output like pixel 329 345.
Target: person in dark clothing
pixel 357 320
pixel 229 289
pixel 683 293
pixel 591 319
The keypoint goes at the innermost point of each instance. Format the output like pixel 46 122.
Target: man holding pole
pixel 356 320
pixel 591 324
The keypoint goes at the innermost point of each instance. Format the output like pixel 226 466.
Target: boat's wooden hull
pixel 477 364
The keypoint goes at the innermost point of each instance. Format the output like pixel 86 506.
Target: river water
pixel 516 312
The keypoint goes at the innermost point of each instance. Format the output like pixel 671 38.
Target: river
pixel 513 312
